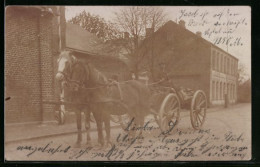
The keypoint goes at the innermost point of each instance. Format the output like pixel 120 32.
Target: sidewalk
pixel 15 133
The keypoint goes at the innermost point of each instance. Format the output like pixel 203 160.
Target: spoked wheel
pixel 169 114
pixel 198 109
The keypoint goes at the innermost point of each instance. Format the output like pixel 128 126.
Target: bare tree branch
pixel 135 20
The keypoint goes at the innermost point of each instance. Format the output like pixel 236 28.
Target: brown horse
pixel 88 85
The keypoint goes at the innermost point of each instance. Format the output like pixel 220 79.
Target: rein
pixel 81 84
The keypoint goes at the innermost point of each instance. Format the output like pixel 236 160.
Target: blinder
pixel 74 85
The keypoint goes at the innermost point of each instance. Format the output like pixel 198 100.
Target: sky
pixel 217 24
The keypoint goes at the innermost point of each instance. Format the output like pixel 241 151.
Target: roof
pixel 43 9
pixel 81 40
pixel 178 59
pixel 183 62
pixel 172 23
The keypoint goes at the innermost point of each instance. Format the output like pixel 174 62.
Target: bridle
pixel 68 72
pixel 82 82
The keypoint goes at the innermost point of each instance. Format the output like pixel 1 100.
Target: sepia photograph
pixel 127 83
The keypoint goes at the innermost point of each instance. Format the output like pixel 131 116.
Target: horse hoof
pixel 140 141
pixel 109 144
pixel 77 144
pixel 99 147
pixel 89 144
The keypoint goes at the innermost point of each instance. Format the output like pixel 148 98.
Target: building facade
pixel 224 76
pixel 190 62
pixel 34 37
pixel 29 62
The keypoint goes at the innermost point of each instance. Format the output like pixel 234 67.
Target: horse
pixel 67 64
pixel 103 97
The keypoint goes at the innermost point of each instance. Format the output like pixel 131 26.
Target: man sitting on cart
pixel 165 80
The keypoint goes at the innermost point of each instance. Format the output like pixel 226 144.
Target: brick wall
pixel 28 65
pixel 47 77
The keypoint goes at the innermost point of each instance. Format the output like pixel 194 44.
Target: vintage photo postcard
pixel 128 83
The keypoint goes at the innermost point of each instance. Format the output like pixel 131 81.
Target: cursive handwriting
pixel 44 149
pixel 222 26
pixel 180 144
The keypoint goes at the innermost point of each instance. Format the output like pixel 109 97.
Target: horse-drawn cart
pixel 90 91
pixel 167 103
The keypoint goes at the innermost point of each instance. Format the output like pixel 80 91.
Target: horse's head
pixel 65 62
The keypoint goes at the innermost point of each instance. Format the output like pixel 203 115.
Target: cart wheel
pixel 198 109
pixel 169 113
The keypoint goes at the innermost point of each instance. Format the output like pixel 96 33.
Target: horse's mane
pixel 95 76
pixel 84 72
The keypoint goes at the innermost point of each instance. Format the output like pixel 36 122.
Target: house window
pixel 214 60
pixel 213 90
pixel 225 60
pixel 231 87
pixel 236 68
pixel 228 66
pixel 231 62
pixel 224 89
pixel 228 90
pixel 217 90
pixel 217 62
pixel 235 92
pixel 220 63
pixel 221 91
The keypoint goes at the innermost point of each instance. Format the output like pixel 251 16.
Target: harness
pixel 82 82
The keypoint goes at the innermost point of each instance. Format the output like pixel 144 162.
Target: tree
pixel 135 20
pixel 244 85
pixel 242 75
pixel 96 25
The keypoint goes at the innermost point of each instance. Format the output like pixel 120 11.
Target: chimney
pixel 198 33
pixel 182 23
pixel 126 35
pixel 148 32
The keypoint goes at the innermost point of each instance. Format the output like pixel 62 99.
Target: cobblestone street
pixel 226 134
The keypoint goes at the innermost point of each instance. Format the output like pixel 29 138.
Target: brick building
pixel 190 62
pixel 34 37
pixel 30 44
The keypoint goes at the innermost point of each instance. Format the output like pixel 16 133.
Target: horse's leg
pixel 106 120
pixel 132 126
pixel 79 138
pixel 141 125
pixel 87 126
pixel 98 118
